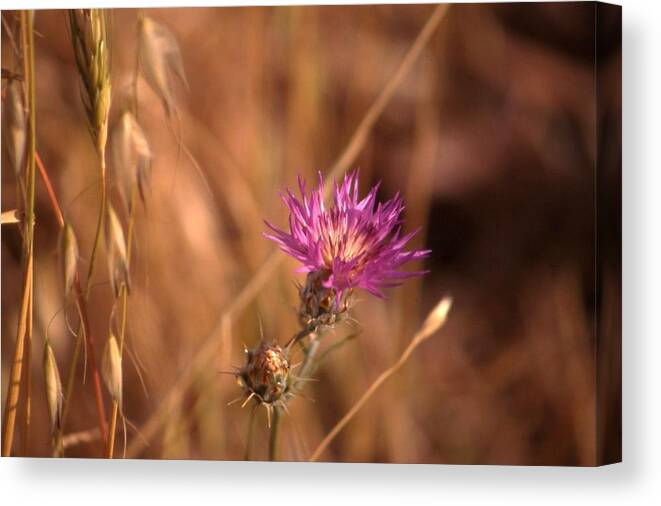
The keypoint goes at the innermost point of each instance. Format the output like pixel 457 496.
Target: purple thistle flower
pixel 354 243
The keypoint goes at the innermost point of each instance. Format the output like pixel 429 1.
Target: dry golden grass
pixel 485 128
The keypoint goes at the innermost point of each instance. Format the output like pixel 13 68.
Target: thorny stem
pixel 24 325
pixel 300 335
pixel 273 439
pixel 251 424
pixel 309 352
pixel 123 296
pixel 333 347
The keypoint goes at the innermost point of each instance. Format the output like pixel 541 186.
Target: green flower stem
pixel 251 424
pixel 273 439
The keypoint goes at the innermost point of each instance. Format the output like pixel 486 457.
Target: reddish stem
pixel 96 379
pixel 82 309
pixel 49 189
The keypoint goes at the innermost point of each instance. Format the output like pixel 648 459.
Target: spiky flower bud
pixel 266 373
pixel 321 306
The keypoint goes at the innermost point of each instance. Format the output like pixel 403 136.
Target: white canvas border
pixel 636 481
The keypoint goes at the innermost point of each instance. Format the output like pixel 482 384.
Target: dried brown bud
pixel 319 305
pixel 266 373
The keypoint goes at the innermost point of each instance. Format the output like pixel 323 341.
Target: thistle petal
pixel 354 243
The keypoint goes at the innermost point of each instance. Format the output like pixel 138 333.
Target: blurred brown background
pixel 500 148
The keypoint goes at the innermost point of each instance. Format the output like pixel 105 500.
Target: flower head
pixel 351 244
pixel 266 372
pixel 266 377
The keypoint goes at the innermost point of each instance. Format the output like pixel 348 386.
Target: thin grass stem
pixel 92 60
pixel 49 189
pixel 81 306
pixel 434 321
pixel 11 403
pixel 27 358
pixel 123 296
pixel 24 325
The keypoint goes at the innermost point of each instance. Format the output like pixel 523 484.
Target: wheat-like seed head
pixel 53 387
pixel 111 369
pixel 68 253
pixel 15 125
pixel 117 252
pixel 91 45
pixel 160 60
pixel 130 157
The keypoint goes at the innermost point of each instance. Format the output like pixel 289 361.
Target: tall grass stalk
pixel 27 375
pixel 123 297
pixel 91 48
pixel 432 324
pixel 24 331
pixel 137 142
pixel 81 304
pixel 30 216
